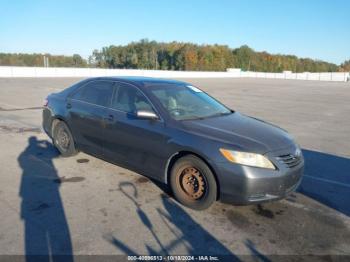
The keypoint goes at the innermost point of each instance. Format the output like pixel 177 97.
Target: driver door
pixel 138 143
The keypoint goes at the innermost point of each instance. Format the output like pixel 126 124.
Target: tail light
pixel 46 102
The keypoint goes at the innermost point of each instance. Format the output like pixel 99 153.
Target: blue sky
pixel 307 28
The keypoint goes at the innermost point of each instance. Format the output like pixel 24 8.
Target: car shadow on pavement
pixel 327 180
pixel 47 236
pixel 188 233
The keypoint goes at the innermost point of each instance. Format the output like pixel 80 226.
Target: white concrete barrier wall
pixel 16 71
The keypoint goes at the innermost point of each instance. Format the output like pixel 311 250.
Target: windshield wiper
pixel 220 114
pixel 193 118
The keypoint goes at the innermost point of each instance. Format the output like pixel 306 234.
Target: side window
pixel 130 99
pixel 96 92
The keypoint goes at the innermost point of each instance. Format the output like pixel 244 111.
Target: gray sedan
pixel 175 133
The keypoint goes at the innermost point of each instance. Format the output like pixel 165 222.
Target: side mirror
pixel 146 114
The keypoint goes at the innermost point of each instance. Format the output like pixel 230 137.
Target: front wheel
pixel 193 183
pixel 63 139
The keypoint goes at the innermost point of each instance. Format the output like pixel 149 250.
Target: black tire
pixel 63 139
pixel 185 174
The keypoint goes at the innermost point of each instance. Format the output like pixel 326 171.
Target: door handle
pixel 69 105
pixel 109 118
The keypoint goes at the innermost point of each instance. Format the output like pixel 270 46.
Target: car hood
pixel 242 132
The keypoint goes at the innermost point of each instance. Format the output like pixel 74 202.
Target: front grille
pixel 289 160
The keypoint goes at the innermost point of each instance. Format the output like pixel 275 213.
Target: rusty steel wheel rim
pixel 192 183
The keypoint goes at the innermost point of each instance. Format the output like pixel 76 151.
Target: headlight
pixel 248 159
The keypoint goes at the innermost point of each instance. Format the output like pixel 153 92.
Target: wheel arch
pixel 176 156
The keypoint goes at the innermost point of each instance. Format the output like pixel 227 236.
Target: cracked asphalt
pixel 85 206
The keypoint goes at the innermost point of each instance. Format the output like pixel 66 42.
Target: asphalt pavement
pixel 85 206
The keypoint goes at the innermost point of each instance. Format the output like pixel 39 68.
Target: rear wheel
pixel 63 139
pixel 193 183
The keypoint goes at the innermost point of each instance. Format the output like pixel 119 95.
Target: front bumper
pixel 244 185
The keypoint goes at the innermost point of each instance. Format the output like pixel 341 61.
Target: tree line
pixel 10 59
pixel 345 67
pixel 146 54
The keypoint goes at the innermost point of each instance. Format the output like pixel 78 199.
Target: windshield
pixel 188 102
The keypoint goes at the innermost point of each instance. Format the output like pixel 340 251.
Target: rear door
pixel 87 110
pixel 139 143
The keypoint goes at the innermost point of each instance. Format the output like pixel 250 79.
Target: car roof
pixel 141 81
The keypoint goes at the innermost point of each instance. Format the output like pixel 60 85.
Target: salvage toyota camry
pixel 175 133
